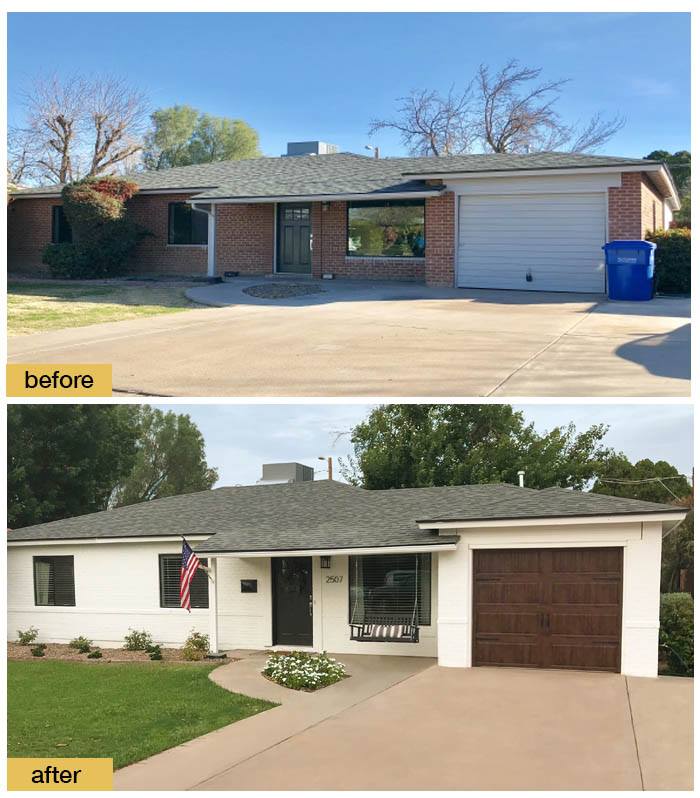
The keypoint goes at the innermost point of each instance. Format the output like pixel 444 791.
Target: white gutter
pixel 554 521
pixel 92 541
pixel 57 194
pixel 327 552
pixel 317 197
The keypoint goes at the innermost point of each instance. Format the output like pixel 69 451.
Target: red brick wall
pixel 28 232
pixel 440 240
pixel 245 238
pixel 633 208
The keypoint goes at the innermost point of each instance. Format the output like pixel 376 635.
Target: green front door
pixel 294 238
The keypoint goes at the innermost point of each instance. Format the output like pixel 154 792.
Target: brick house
pixel 534 222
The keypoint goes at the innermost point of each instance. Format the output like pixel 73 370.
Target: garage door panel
pixel 551 607
pixel 555 239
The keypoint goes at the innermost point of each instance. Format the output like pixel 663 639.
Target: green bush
pixel 81 644
pixel 103 237
pixel 302 671
pixel 38 650
pixel 28 637
pixel 138 641
pixel 672 258
pixel 676 632
pixel 196 646
pixel 154 652
pixel 96 654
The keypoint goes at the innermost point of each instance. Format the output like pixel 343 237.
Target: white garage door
pixel 533 242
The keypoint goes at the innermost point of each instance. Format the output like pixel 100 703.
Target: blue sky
pixel 239 438
pixel 325 76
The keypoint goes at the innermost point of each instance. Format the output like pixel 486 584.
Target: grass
pixel 38 307
pixel 123 711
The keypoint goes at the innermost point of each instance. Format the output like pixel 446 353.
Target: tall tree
pixel 657 482
pixel 79 127
pixel 509 110
pixel 422 445
pixel 170 459
pixel 678 164
pixel 181 136
pixel 64 460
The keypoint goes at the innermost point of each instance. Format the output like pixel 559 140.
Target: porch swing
pixel 386 629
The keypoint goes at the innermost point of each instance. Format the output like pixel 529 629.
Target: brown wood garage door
pixel 548 608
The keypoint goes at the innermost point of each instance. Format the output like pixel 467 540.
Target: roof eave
pixel 447 544
pixel 383 195
pixel 601 518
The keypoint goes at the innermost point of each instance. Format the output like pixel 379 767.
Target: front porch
pixel 313 601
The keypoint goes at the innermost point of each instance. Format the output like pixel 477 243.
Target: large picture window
pixel 386 229
pixel 54 582
pixel 187 226
pixel 170 583
pixel 61 232
pixel 385 588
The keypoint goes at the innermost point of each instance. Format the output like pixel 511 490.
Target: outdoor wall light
pixel 325 562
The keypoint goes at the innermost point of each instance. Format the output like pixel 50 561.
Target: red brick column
pixel 625 208
pixel 440 240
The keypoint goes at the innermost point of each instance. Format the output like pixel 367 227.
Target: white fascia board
pixel 93 541
pixel 582 170
pixel 57 194
pixel 329 552
pixel 316 198
pixel 555 521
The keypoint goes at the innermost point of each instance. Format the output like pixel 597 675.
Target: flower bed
pixel 65 652
pixel 301 671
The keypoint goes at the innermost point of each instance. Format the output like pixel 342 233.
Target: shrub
pixel 38 650
pixel 302 671
pixel 196 646
pixel 103 237
pixel 672 258
pixel 676 632
pixel 82 644
pixel 138 641
pixel 25 638
pixel 154 652
pixel 96 654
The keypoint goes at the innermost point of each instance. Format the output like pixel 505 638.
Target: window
pixel 60 228
pixel 170 583
pixel 386 229
pixel 54 582
pixel 385 588
pixel 187 226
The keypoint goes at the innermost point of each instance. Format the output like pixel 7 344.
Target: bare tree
pixel 21 156
pixel 433 125
pixel 507 111
pixel 81 127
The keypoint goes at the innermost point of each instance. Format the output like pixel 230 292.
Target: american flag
pixel 190 563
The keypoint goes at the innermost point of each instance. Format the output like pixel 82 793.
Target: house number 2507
pixel 334 580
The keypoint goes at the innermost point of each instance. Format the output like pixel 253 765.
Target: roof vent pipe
pixel 521 478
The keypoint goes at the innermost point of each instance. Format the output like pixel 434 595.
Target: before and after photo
pixel 350 434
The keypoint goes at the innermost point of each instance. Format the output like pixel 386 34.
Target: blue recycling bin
pixel 630 267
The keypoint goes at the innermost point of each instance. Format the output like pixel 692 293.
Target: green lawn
pixel 36 307
pixel 124 711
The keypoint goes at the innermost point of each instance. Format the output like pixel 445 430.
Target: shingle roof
pixel 327 515
pixel 340 174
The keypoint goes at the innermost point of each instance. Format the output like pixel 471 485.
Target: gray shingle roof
pixel 326 515
pixel 340 173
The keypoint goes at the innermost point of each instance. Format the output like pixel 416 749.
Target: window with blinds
pixel 54 582
pixel 385 588
pixel 170 583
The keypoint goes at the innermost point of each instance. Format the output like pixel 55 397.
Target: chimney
pixel 521 478
pixel 280 473
pixel 311 148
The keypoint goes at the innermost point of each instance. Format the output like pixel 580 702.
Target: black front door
pixel 294 238
pixel 292 607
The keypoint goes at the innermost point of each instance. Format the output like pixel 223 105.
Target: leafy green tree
pixel 181 136
pixel 679 165
pixel 64 460
pixel 656 482
pixel 422 445
pixel 170 459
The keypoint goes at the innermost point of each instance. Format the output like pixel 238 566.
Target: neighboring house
pixel 533 222
pixel 489 574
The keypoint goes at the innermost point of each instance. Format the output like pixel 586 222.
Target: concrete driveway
pixel 439 728
pixel 358 338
